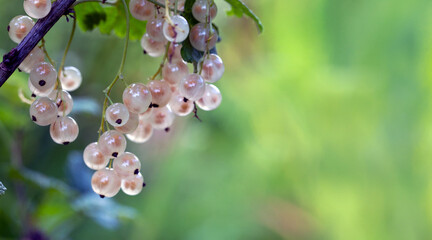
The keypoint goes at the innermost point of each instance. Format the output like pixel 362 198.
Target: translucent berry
pixel 162 118
pixel 142 9
pixel 112 143
pixel 43 76
pixel 137 97
pixel 211 99
pixel 146 114
pixel 180 105
pixel 174 53
pixel 94 158
pixel 36 92
pixel 192 87
pixel 106 182
pixel 127 164
pixel 64 130
pixel 70 78
pixel 212 68
pixel 154 29
pixel 35 56
pixel 117 114
pixel 43 111
pixel 174 72
pixel 200 10
pixel 63 100
pixel 161 92
pixel 178 30
pixel 151 47
pixel 130 125
pixel 201 38
pixel 37 8
pixel 132 185
pixel 143 132
pixel 19 27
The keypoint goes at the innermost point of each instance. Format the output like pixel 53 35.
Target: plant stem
pixel 161 5
pixel 46 52
pixel 68 44
pixel 85 1
pixel 163 62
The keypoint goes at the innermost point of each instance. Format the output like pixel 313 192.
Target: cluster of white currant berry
pixel 154 105
pixel 53 102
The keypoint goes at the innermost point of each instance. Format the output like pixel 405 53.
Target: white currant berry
pixel 94 158
pixel 117 114
pixel 63 100
pixel 35 56
pixel 146 114
pixel 180 105
pixel 201 38
pixel 43 111
pixel 64 130
pixel 106 182
pixel 162 118
pixel 142 9
pixel 126 164
pixel 211 99
pixel 192 87
pixel 70 78
pixel 212 68
pixel 200 10
pixel 19 27
pixel 132 185
pixel 154 29
pixel 130 125
pixel 178 30
pixel 143 132
pixel 112 143
pixel 37 8
pixel 161 92
pixel 174 72
pixel 137 98
pixel 151 47
pixel 43 76
pixel 35 92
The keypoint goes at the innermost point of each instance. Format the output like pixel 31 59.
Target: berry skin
pixel 212 68
pixel 132 185
pixel 131 124
pixel 37 8
pixel 43 111
pixel 192 87
pixel 35 56
pixel 151 47
pixel 43 76
pixel 106 182
pixel 154 29
pixel 143 132
pixel 19 27
pixel 63 100
pixel 201 38
pixel 179 106
pixel 112 143
pixel 161 92
pixel 174 53
pixel 162 118
pixel 64 130
pixel 200 9
pixel 142 9
pixel 126 164
pixel 178 30
pixel 174 72
pixel 137 97
pixel 117 114
pixel 36 92
pixel 94 158
pixel 211 99
pixel 70 78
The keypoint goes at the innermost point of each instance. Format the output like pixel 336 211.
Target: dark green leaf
pixel 238 8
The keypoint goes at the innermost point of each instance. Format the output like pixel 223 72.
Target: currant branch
pixel 14 58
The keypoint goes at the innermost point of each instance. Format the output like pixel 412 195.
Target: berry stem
pixel 100 1
pixel 159 71
pixel 61 68
pixel 161 5
pixel 46 52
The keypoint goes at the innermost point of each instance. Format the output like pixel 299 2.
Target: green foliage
pixel 238 8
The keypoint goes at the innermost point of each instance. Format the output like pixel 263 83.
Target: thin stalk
pixel 85 1
pixel 61 68
pixel 162 5
pixel 159 71
pixel 46 52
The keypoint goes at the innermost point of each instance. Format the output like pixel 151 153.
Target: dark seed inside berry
pixel 167 129
pixel 42 82
pixel 118 121
pixel 34 118
pixel 136 171
pixel 66 143
pixel 151 105
pixel 185 100
pixel 155 105
pixel 145 52
pixel 144 184
pixel 115 154
pixel 101 196
pixel 33 95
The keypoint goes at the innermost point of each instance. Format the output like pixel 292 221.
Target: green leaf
pixel 109 19
pixel 238 8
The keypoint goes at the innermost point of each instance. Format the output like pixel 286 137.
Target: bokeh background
pixel 325 132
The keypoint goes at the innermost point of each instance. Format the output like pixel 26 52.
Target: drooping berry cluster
pixel 50 101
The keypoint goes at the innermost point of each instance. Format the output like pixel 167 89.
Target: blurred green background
pixel 325 132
